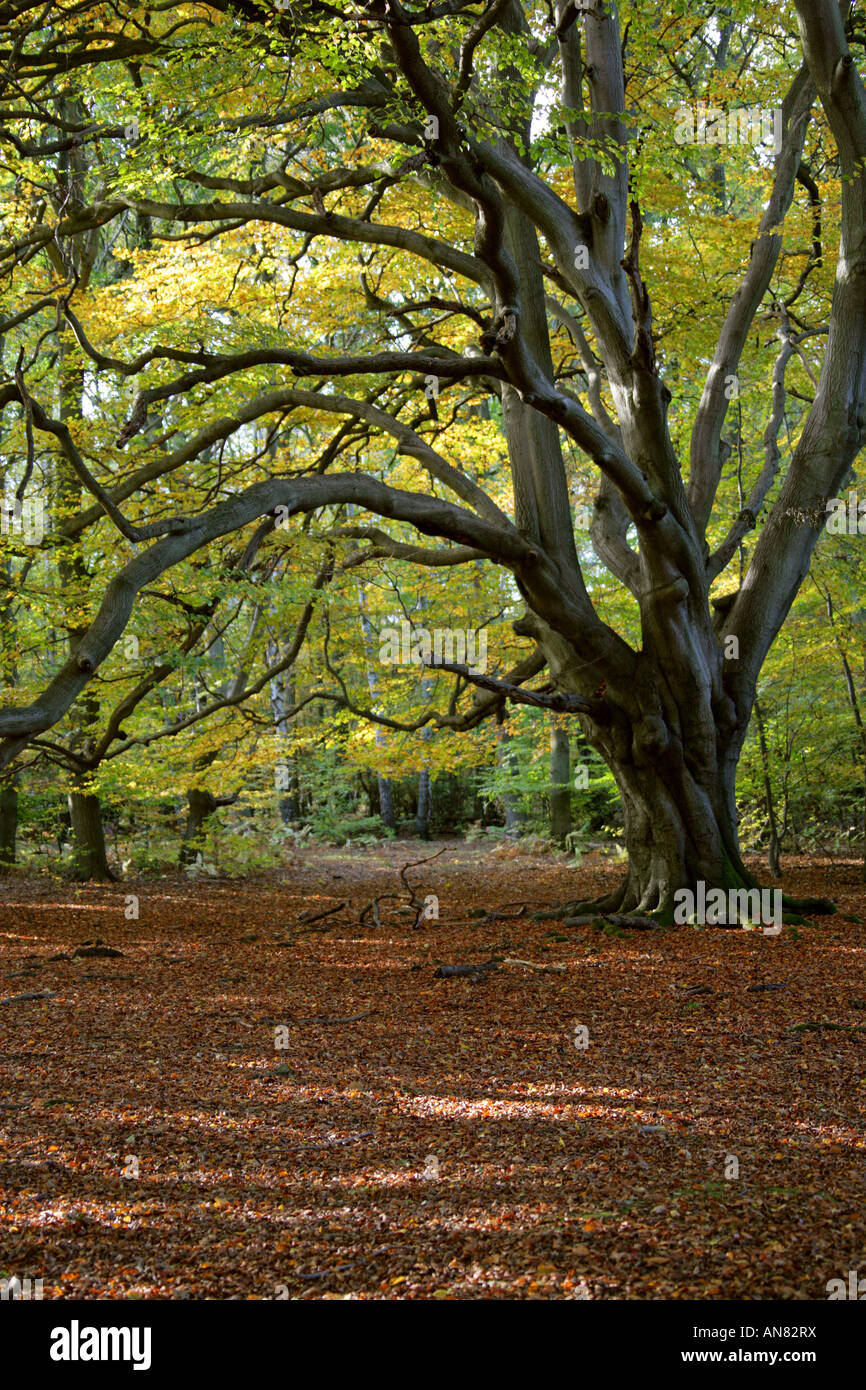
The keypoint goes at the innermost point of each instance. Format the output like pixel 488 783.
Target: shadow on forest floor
pixel 452 1141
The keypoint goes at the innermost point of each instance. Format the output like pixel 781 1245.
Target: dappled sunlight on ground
pixel 424 1137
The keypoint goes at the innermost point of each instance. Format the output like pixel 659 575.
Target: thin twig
pixel 317 916
pixel 414 865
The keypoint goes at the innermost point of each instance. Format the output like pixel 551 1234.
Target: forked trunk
pixel 680 835
pixel 679 807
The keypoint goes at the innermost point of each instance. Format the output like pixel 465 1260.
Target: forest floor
pixel 423 1137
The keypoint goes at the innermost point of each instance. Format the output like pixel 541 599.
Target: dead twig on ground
pixel 310 917
pixel 414 865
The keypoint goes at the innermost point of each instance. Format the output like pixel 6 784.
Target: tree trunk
pixel 560 790
pixel 514 816
pixel 386 799
pixel 425 803
pixel 290 805
pixel 773 852
pixel 89 860
pixel 854 702
pixel 200 805
pixel 282 692
pixel 680 816
pixel 386 802
pixel 8 823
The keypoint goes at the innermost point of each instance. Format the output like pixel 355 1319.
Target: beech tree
pixel 485 168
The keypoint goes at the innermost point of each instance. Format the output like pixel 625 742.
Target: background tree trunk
pixel 425 804
pixel 773 851
pixel 8 822
pixel 560 788
pixel 386 802
pixel 386 799
pixel 200 805
pixel 514 816
pixel 89 860
pixel 282 693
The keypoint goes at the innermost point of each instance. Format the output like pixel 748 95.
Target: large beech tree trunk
pixel 679 831
pixel 671 734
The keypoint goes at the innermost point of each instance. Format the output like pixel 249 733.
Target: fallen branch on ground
pixel 534 964
pixel 317 916
pixel 476 973
pixel 373 907
pixel 414 865
pixel 33 994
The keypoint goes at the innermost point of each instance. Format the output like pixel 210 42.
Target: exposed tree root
pixel 654 906
pixel 617 919
pixel 819 907
pixel 596 907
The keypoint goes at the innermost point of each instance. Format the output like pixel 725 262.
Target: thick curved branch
pixel 386 546
pixel 557 701
pixel 427 514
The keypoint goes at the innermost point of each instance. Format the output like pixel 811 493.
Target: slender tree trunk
pixel 560 789
pixel 386 799
pixel 88 839
pixel 425 785
pixel 200 805
pixel 386 802
pixel 514 816
pixel 425 804
pixel 282 694
pixel 8 823
pixel 89 859
pixel 854 702
pixel 773 852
